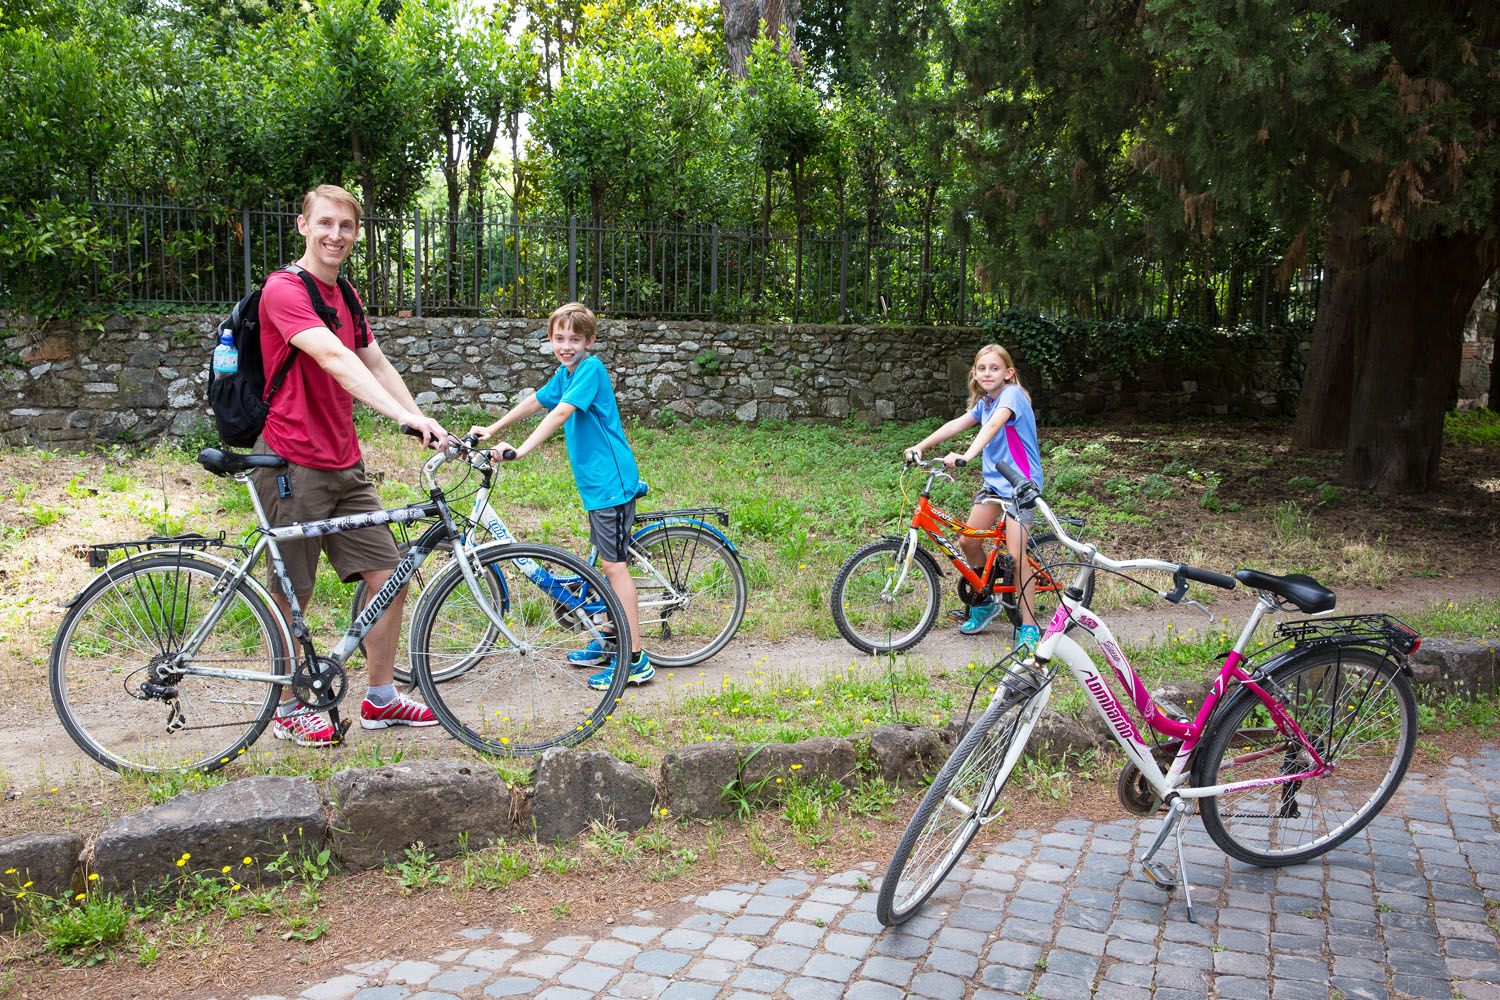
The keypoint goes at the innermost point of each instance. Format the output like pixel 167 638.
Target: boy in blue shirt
pixel 581 400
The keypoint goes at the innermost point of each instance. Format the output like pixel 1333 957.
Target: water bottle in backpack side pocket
pixel 226 355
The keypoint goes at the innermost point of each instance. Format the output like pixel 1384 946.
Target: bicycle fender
pixel 256 587
pixel 692 521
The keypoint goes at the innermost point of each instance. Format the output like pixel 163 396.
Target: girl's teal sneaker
pixel 980 615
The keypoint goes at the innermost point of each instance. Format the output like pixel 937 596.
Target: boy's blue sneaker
pixel 591 655
pixel 980 615
pixel 641 671
pixel 1027 636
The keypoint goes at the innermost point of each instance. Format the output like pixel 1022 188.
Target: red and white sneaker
pixel 402 711
pixel 308 728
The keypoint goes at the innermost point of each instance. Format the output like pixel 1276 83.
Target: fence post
pixel 713 273
pixel 245 239
pixel 417 261
pixel 963 281
pixel 572 258
pixel 843 273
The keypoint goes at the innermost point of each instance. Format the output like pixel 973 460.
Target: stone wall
pixel 136 378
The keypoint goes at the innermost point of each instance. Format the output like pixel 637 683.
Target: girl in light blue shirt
pixel 1001 408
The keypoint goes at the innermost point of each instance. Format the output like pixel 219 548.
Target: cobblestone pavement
pixel 1399 911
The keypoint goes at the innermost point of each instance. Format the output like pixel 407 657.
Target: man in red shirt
pixel 311 425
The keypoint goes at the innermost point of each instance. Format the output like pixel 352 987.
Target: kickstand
pixel 1182 875
pixel 1158 875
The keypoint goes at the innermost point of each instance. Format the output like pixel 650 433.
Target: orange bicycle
pixel 885 596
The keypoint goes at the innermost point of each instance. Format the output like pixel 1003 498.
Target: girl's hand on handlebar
pixel 954 460
pixel 504 452
pixel 913 456
pixel 479 433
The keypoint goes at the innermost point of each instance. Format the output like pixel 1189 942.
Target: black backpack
pixel 242 401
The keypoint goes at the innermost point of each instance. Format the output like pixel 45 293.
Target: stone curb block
pixel 575 788
pixel 1458 666
pixel 49 861
pixel 255 817
pixel 768 770
pixel 377 813
pixel 694 778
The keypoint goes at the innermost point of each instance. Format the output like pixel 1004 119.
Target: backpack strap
pixel 362 331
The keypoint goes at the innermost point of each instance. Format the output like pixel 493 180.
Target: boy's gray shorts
pixel 987 495
pixel 609 530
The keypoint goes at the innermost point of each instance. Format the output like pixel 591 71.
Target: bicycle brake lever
pixel 1199 605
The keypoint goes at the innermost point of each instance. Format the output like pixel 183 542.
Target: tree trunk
pixel 1343 312
pixel 1416 298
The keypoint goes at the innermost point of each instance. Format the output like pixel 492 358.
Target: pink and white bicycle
pixel 1295 748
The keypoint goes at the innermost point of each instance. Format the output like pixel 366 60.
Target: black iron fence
pixel 162 253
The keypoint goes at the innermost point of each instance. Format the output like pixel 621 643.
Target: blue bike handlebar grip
pixel 1207 576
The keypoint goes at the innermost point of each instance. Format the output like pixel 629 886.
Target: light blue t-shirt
pixel 603 465
pixel 1015 443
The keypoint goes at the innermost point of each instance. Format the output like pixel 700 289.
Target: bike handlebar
pixel 1027 495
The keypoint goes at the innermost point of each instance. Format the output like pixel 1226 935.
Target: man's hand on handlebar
pixel 431 432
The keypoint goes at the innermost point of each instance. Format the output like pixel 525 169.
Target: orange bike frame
pixel 931 521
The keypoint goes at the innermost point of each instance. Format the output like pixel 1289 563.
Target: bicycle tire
pixel 866 617
pixel 1044 549
pixel 408 610
pixel 132 618
pixel 515 700
pixel 706 574
pixel 963 793
pixel 1358 708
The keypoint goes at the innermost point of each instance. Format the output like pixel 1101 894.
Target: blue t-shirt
pixel 603 465
pixel 1015 442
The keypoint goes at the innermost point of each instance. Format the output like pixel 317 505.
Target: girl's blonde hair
pixel 974 390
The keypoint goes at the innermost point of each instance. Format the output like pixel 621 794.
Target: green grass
pixel 1471 618
pixel 1480 428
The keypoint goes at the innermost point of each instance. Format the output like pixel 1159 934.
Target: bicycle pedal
pixel 1159 875
pixel 958 614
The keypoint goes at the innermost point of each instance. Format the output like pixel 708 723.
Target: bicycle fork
pixel 1159 874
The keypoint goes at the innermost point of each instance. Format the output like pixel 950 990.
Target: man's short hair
pixel 333 193
pixel 579 317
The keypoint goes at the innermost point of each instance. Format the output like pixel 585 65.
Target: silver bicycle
pixel 175 657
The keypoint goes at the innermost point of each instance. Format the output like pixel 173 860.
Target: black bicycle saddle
pixel 229 463
pixel 1309 596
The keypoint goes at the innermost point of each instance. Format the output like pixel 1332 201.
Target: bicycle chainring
pixel 1135 791
pixel 319 683
pixel 999 570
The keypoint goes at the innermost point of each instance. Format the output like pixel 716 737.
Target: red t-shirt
pixel 311 421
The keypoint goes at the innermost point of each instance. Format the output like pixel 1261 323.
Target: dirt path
pixel 41 754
